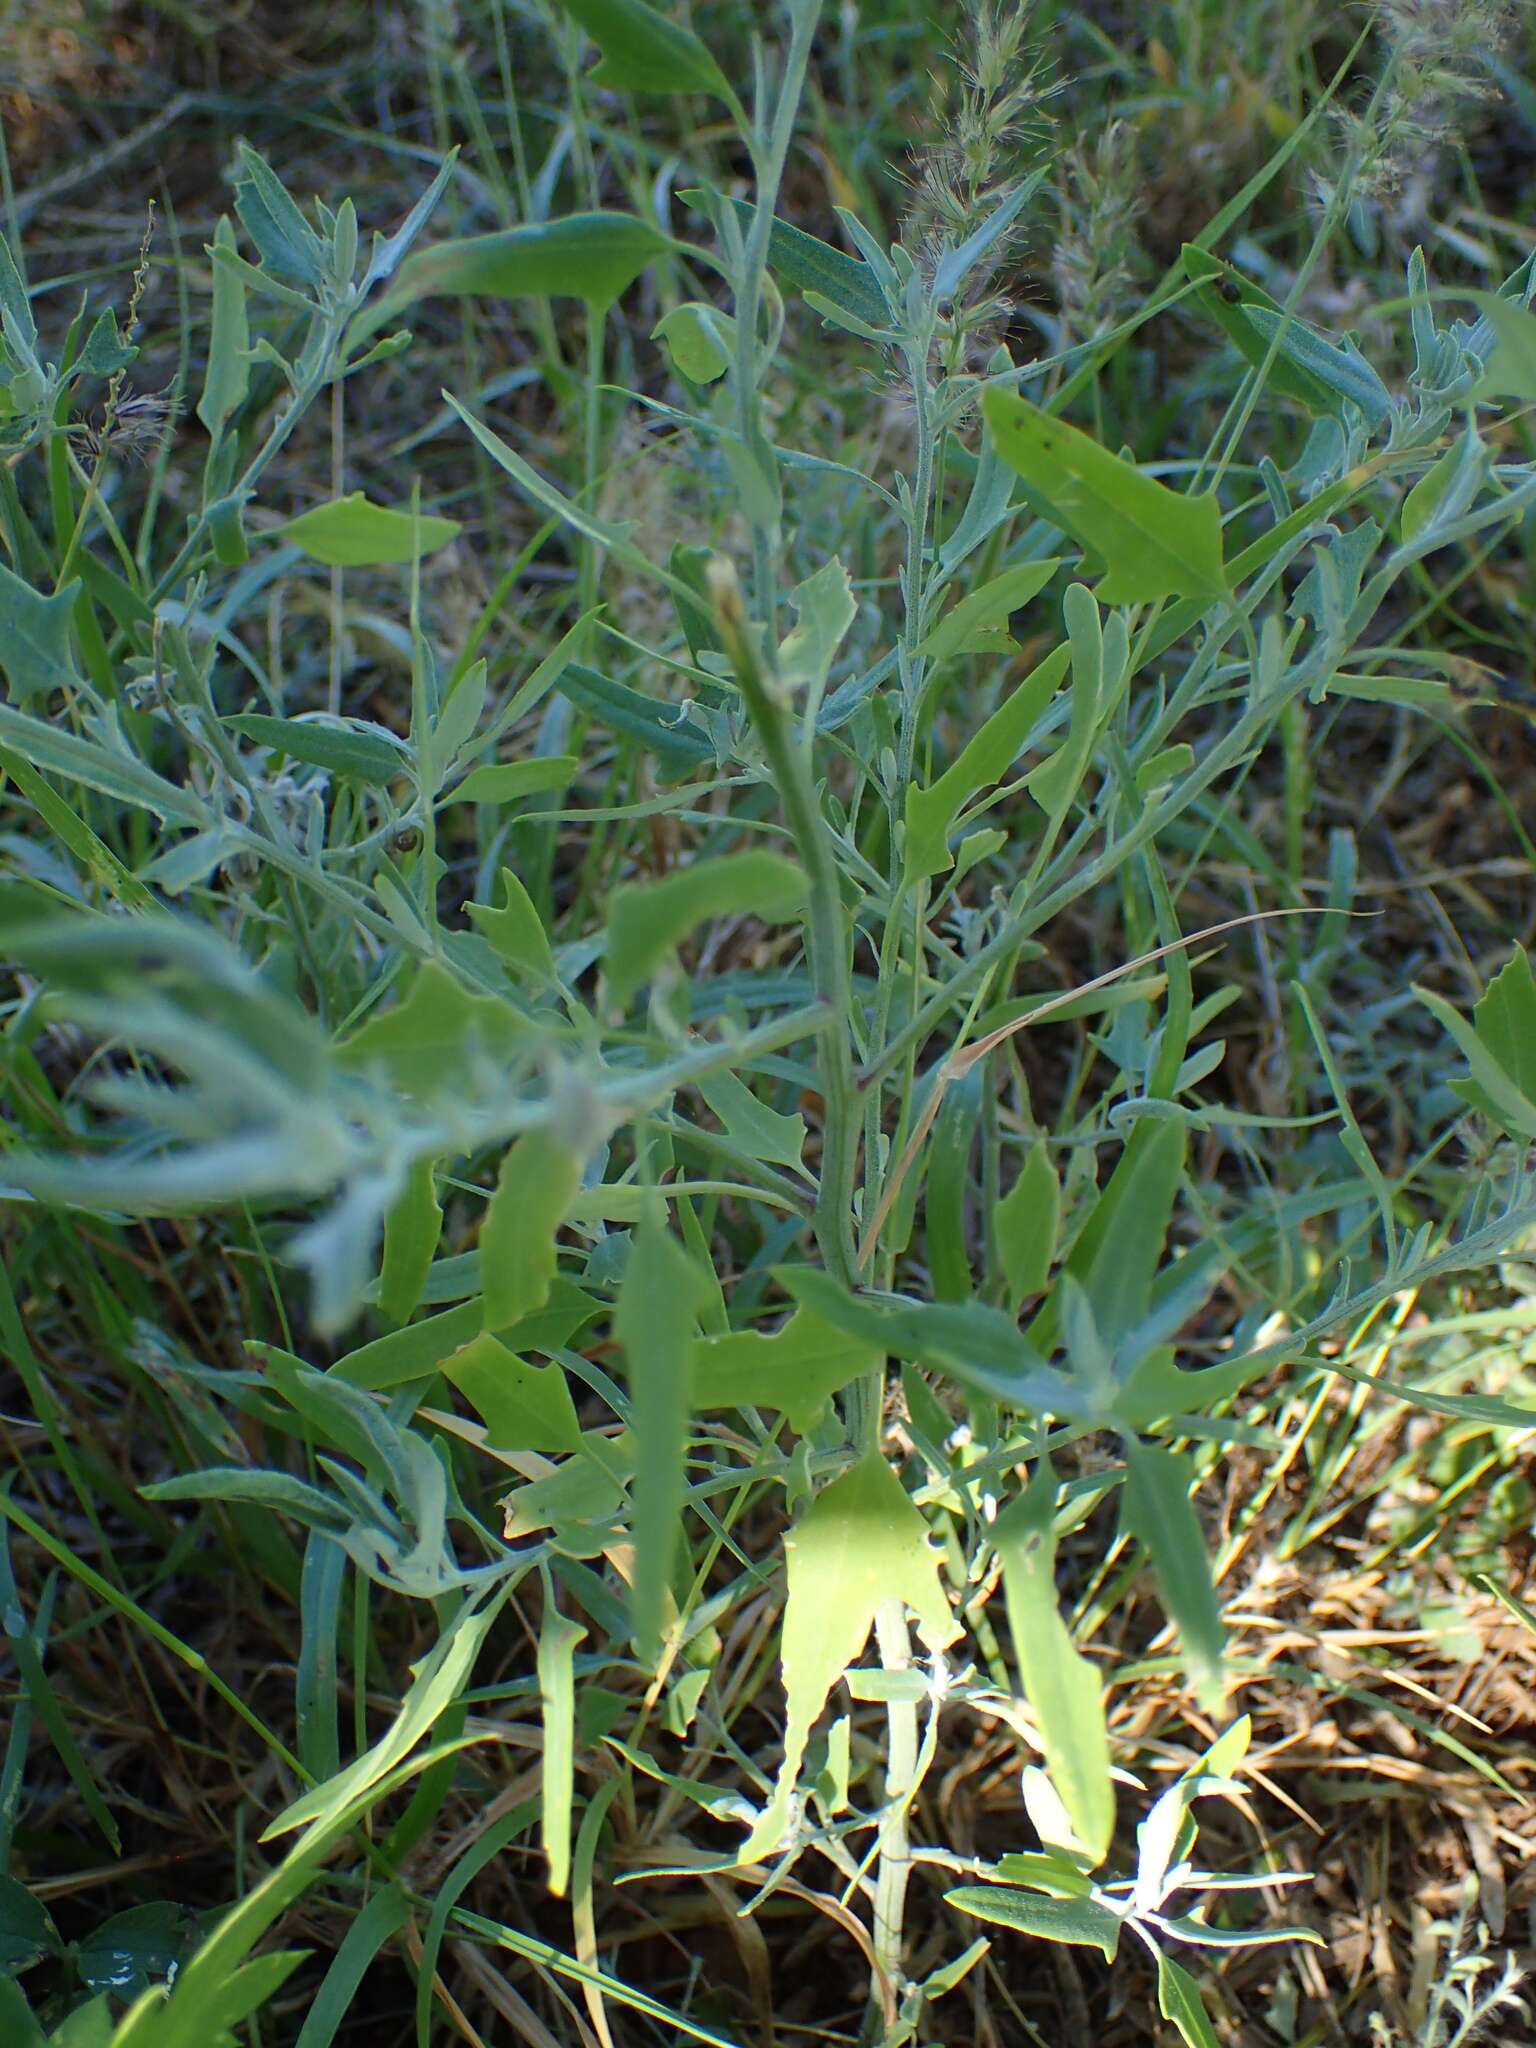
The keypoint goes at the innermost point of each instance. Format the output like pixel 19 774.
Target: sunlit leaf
pixel 1063 1688
pixel 860 1544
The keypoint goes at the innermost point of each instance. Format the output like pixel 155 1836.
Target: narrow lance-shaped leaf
pixel 1063 1688
pixel 1304 365
pixel 1159 1513
pixel 1494 1086
pixel 539 1179
pixel 558 1637
pixel 284 239
pixel 660 1298
pixel 1025 1223
pixel 986 758
pixel 411 1232
pixel 227 378
pixel 1083 1923
pixel 1152 541
pixel 970 625
pixel 1510 371
pixel 1179 2000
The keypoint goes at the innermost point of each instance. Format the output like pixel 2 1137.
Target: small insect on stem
pixel 1230 290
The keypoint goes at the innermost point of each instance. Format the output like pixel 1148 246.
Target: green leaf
pixel 990 606
pixel 1061 1685
pixel 1510 372
pixel 811 265
pixel 105 352
pixel 1025 1223
pixel 423 1042
pixel 524 1407
pixel 700 339
pixel 1499 1070
pixel 437 1680
pixel 1505 1023
pixel 761 1132
pixel 516 931
pixel 540 1177
pixel 1160 1514
pixel 353 533
pixel 977 1344
pixel 1153 542
pixel 795 1369
pixel 649 918
pixel 590 256
pixel 1305 366
pixel 644 50
pixel 825 607
pixel 18 2024
pixel 27 1932
pixel 35 650
pixel 1179 2000
pixel 660 1296
pixel 285 241
pixel 417 1350
pixel 375 1924
pixel 16 306
pixel 860 1544
pixel 662 729
pixel 88 2026
pixel 1082 1923
pixel 558 1637
pixel 1117 1252
pixel 411 1232
pixel 577 1500
pixel 341 746
pixel 132 1950
pixel 504 782
pixel 986 758
pixel 227 377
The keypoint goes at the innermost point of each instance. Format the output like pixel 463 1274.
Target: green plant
pixel 571 1209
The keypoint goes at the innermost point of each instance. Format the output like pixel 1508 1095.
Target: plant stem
pixel 789 768
pixel 901 1780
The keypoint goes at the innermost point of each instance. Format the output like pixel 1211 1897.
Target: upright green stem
pixel 901 1781
pixel 769 142
pixel 592 452
pixel 789 766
